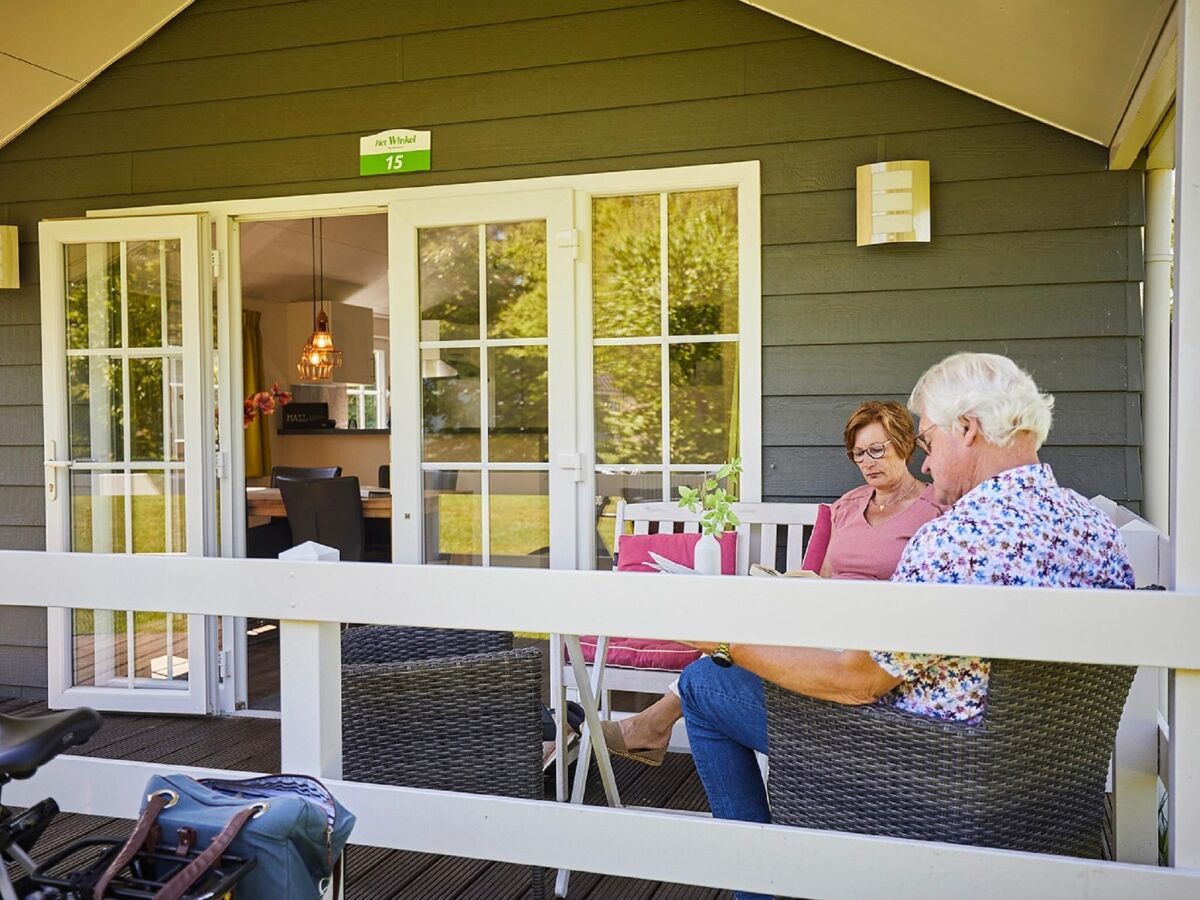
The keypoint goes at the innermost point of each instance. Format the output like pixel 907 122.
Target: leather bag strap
pixel 185 877
pixel 141 830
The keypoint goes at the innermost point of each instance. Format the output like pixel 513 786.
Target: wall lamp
pixel 893 202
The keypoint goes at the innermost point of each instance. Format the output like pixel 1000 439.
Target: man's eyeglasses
pixel 922 441
pixel 875 451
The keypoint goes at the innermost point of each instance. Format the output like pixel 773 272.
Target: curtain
pixel 258 442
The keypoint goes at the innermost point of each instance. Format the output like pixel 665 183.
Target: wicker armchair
pixel 445 710
pixel 1029 777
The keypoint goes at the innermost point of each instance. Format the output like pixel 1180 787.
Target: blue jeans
pixel 726 717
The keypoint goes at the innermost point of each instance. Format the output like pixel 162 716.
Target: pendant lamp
pixel 319 357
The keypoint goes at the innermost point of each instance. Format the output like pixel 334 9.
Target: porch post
pixel 1156 355
pixel 1184 808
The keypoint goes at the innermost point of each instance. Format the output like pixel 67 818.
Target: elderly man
pixel 1009 523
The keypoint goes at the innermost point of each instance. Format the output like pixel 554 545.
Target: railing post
pixel 310 686
pixel 1135 773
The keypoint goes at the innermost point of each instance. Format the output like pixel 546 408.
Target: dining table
pixel 268 502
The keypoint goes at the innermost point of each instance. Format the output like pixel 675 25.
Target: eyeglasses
pixel 875 451
pixel 923 442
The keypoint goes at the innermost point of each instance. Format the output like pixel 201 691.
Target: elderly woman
pixel 870 526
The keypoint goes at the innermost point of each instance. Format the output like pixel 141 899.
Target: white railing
pixel 1119 627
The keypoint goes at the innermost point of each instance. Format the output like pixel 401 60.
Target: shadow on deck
pixel 252 744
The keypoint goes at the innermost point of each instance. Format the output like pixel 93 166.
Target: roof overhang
pixel 48 51
pixel 1100 69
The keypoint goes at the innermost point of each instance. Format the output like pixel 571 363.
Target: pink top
pixel 860 550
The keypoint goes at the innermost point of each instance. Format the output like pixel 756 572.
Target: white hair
pixel 989 388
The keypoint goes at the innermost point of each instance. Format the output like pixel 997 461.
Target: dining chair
pixel 303 473
pixel 327 511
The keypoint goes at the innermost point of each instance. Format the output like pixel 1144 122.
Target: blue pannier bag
pixel 296 840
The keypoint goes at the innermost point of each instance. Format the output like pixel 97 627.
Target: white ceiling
pixel 49 49
pixel 1073 64
pixel 277 260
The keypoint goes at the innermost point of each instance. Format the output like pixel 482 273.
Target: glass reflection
pixel 95 408
pixel 704 403
pixel 626 266
pixel 516 280
pixel 450 407
pixel 144 277
pixel 702 262
pixel 519 519
pixel 453 518
pixel 519 419
pixel 92 274
pixel 449 272
pixel 611 487
pixel 628 400
pixel 98 512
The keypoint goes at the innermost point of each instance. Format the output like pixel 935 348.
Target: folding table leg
pixel 592 737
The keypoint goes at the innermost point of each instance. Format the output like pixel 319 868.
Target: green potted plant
pixel 715 505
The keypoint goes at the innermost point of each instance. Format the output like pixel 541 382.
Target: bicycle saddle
pixel 29 742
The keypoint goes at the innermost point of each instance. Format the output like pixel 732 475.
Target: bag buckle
pixel 172 796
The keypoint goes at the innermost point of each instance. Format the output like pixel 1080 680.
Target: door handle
pixel 51 465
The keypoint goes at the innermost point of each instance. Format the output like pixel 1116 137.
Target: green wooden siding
pixel 1036 249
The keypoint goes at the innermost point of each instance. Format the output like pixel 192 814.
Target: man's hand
pixel 703 646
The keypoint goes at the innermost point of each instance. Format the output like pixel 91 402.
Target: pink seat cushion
pixel 634 551
pixel 634 556
pixel 818 541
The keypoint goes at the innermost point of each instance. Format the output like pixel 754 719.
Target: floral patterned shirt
pixel 1017 528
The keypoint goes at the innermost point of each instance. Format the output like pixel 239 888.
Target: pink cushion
pixel 818 541
pixel 634 556
pixel 634 551
pixel 641 653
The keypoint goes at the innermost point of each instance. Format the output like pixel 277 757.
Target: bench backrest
pixel 766 529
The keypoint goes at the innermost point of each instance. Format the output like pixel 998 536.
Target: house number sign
pixel 396 150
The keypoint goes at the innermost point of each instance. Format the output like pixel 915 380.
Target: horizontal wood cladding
pixel 22 427
pixel 1040 203
pixel 195 34
pixel 23 537
pixel 23 505
pixel 22 667
pixel 20 465
pixel 1081 364
pixel 1080 419
pixel 976 260
pixel 825 473
pixel 989 312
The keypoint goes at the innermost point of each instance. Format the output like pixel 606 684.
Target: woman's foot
pixel 646 735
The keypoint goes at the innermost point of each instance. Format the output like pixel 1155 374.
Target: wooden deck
pixel 373 874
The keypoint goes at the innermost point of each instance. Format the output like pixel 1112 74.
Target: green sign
pixel 397 150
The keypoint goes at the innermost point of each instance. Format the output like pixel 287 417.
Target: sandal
pixel 616 745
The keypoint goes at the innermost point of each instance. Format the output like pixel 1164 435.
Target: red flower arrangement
pixel 263 403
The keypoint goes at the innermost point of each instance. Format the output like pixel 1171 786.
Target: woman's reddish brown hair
pixel 896 421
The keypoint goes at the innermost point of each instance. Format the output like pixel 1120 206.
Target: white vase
pixel 708 556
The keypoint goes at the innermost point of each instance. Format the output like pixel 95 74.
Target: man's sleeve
pixel 915 566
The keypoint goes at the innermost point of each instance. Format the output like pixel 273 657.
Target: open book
pixel 756 569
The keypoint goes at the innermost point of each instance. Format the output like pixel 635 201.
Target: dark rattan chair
pixel 328 511
pixel 1030 776
pixel 470 721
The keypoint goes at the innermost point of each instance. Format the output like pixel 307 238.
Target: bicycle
pixel 73 873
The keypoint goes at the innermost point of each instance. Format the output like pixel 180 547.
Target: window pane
pixel 93 282
pixel 610 488
pixel 161 652
pixel 453 518
pixel 626 266
pixel 516 280
pixel 450 405
pixel 702 262
pixel 519 519
pixel 98 512
pixel 99 649
pixel 628 403
pixel 144 275
pixel 703 403
pixel 158 516
pixel 519 423
pixel 146 409
pixel 96 413
pixel 449 265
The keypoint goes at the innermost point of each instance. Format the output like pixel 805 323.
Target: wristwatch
pixel 721 655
